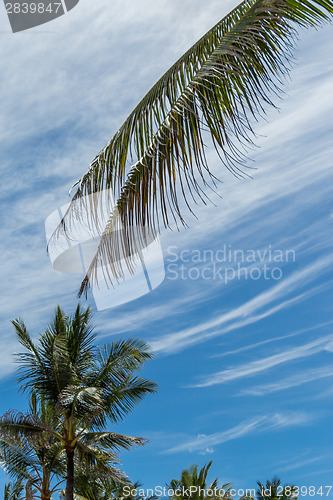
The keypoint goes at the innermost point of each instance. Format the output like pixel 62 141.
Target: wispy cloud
pixel 56 115
pixel 269 341
pixel 301 463
pixel 255 367
pixel 256 425
pixel 253 310
pixel 289 382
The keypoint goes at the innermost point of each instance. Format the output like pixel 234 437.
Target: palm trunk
pixel 70 474
pixel 45 493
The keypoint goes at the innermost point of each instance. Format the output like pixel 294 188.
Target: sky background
pixel 245 368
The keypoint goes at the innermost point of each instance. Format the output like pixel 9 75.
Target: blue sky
pixel 245 368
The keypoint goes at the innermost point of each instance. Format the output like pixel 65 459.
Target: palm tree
pixel 193 485
pixel 33 458
pixel 39 459
pixel 156 159
pixel 274 491
pixel 83 385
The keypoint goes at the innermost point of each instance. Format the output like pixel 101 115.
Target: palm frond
pixel 93 460
pixel 117 360
pixel 112 440
pixel 64 352
pixel 120 399
pixel 84 404
pixel 91 454
pixel 15 461
pixel 26 425
pixel 109 390
pixel 191 477
pixel 156 158
pixel 79 340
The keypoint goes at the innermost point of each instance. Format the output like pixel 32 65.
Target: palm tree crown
pixel 273 490
pixel 193 485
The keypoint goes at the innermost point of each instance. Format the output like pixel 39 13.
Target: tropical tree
pixel 34 459
pixel 193 485
pixel 84 385
pixel 40 460
pixel 155 163
pixel 275 491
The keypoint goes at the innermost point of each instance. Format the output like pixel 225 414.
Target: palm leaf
pixel 117 360
pixel 79 340
pixel 112 440
pixel 156 158
pixel 64 352
pixel 25 425
pixel 15 460
pixel 122 398
pixel 96 461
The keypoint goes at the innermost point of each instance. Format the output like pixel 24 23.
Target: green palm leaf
pixel 64 352
pixel 122 398
pixel 116 361
pixel 29 451
pixel 26 425
pixel 112 440
pixel 15 460
pixel 157 158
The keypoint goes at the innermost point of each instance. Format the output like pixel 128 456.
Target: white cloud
pixel 246 312
pixel 254 367
pixel 66 88
pixel 252 426
pixel 275 339
pixel 301 378
pixel 301 463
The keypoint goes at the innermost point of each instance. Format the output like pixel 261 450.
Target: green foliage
pixel 95 483
pixel 34 456
pixel 193 485
pixel 274 491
